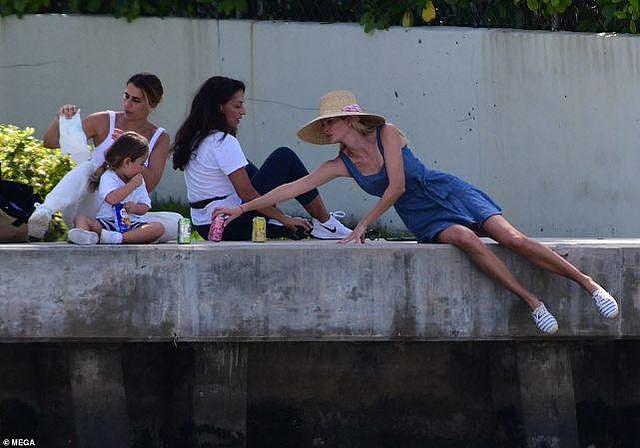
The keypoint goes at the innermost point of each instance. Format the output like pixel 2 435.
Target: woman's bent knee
pixel 284 153
pixel 156 229
pixel 515 242
pixel 459 236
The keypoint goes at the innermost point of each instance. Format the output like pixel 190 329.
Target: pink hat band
pixel 352 108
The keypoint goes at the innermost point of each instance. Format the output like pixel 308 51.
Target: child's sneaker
pixel 39 220
pixel 82 237
pixel 332 229
pixel 544 320
pixel 110 237
pixel 605 303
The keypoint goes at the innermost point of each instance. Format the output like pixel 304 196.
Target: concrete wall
pixel 576 393
pixel 301 291
pixel 546 123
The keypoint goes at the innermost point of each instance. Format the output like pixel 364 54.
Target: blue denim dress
pixel 432 200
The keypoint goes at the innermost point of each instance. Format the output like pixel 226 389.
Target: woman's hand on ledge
pixel 356 236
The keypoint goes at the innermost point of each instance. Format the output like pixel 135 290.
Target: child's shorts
pixel 110 224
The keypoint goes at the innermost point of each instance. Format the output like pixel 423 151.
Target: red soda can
pixel 217 228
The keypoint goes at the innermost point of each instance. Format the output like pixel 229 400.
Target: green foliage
pixel 170 205
pixel 625 11
pixel 380 14
pixel 24 158
pixel 570 15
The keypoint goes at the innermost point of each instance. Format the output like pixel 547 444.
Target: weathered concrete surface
pixel 56 425
pixel 220 395
pixel 298 291
pixel 546 391
pixel 492 106
pixel 327 394
pixel 99 398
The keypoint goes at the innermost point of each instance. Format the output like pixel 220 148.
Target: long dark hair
pixel 130 145
pixel 150 85
pixel 205 117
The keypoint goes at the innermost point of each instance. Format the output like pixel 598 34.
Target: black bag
pixel 17 200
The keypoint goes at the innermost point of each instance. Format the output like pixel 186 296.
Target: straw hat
pixel 340 103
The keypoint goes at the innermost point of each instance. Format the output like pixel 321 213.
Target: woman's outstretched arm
pixel 323 174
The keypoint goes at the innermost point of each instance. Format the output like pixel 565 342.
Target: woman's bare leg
pixel 466 240
pixel 317 209
pixel 501 230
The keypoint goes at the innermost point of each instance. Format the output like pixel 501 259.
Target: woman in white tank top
pixel 142 95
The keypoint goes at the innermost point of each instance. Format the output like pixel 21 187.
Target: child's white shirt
pixel 109 182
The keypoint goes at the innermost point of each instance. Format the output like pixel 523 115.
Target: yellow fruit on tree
pixel 429 12
pixel 407 19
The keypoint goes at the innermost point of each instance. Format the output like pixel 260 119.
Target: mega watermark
pixel 19 442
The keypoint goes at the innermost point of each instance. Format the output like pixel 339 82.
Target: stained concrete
pixel 546 386
pixel 310 290
pixel 98 395
pixel 312 344
pixel 329 394
pixel 220 394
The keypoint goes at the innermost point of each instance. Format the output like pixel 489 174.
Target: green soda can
pixel 184 231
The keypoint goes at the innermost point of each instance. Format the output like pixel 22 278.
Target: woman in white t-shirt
pixel 218 174
pixel 142 94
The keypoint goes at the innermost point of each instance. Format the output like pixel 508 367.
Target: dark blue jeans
pixel 281 167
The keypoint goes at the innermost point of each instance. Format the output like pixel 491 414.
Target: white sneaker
pixel 606 303
pixel 110 237
pixel 82 237
pixel 332 229
pixel 544 320
pixel 39 220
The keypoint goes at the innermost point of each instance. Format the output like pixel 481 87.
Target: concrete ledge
pixel 299 291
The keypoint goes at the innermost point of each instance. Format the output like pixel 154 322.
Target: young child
pixel 119 181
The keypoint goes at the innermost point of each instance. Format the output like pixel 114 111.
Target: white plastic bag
pixel 72 138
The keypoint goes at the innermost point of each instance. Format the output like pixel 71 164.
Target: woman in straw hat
pixel 217 172
pixel 435 206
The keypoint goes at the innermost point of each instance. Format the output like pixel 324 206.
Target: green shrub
pixel 568 15
pixel 169 205
pixel 23 158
